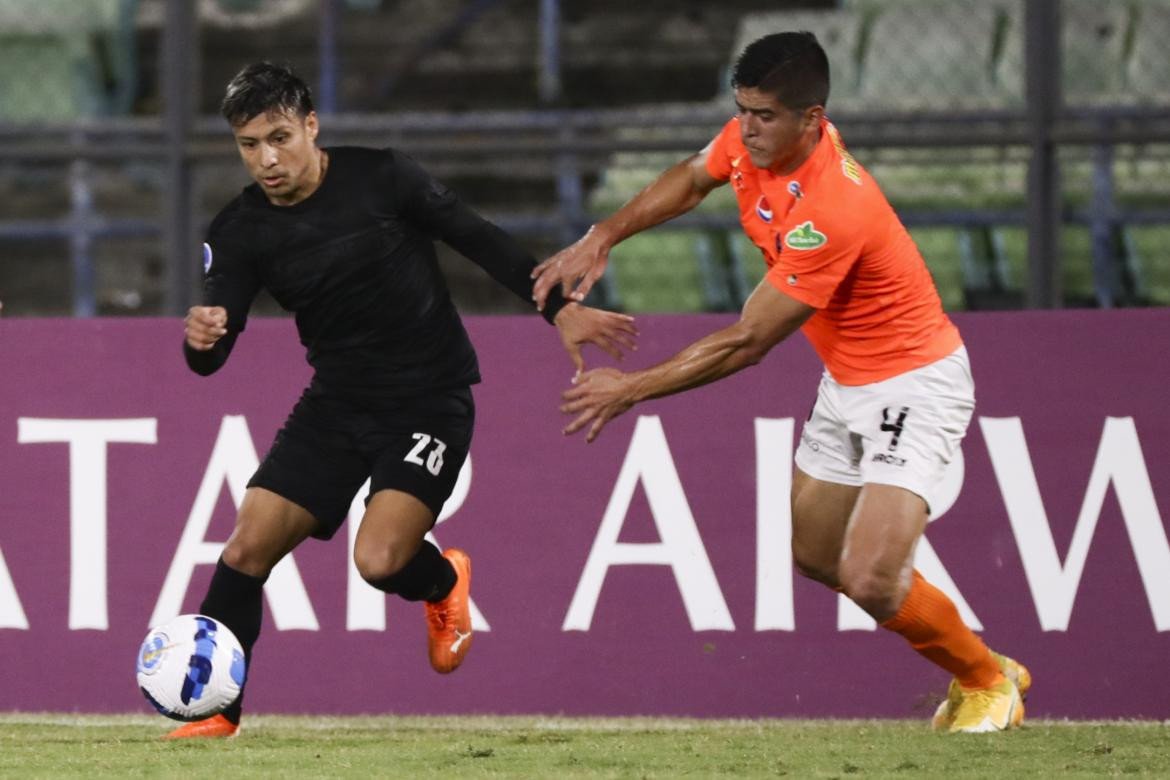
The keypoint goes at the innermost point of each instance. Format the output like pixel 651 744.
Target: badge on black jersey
pixel 206 257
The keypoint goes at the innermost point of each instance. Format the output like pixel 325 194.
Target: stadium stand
pixel 964 205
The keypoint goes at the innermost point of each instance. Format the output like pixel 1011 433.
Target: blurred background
pixel 1025 143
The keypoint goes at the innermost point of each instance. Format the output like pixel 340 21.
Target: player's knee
pixel 377 565
pixel 813 566
pixel 246 559
pixel 876 594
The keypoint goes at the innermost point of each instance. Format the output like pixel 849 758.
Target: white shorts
pixel 902 431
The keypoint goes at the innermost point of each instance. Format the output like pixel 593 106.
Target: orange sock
pixel 931 624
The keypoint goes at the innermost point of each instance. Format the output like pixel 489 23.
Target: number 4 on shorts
pixel 434 458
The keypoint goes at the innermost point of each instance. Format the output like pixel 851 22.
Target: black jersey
pixel 355 263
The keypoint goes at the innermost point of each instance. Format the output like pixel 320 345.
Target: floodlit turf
pixel 271 746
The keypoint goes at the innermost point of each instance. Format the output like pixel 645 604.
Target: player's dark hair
pixel 790 65
pixel 265 88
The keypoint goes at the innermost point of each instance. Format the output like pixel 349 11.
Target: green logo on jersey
pixel 805 236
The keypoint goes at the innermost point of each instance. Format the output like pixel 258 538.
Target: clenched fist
pixel 205 325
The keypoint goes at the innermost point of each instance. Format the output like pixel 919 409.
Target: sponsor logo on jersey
pixel 804 236
pixel 764 209
pixel 794 190
pixel 206 257
pixel 849 166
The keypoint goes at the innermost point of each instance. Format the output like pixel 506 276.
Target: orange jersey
pixel 832 241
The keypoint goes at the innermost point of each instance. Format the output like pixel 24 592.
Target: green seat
pixel 64 59
pixel 932 55
pixel 1147 75
pixel 1149 246
pixel 940 248
pixel 1093 48
pixel 1077 267
pixel 665 270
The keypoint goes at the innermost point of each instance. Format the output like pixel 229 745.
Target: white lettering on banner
pixel 649 460
pixel 233 460
pixel 851 617
pixel 1119 460
pixel 365 607
pixel 11 612
pixel 774 602
pixel 87 439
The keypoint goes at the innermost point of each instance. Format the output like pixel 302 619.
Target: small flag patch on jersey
pixel 206 257
pixel 805 236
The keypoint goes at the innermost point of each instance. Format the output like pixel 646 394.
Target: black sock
pixel 235 599
pixel 428 576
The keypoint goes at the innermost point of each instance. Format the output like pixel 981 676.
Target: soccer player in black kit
pixel 343 238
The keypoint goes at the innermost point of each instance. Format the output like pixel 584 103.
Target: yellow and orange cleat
pixel 216 726
pixel 944 716
pixel 984 710
pixel 449 620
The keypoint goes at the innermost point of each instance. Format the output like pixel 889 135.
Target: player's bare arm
pixel 769 316
pixel 580 325
pixel 578 267
pixel 204 326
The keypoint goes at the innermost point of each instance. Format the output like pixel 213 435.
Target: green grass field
pixel 460 747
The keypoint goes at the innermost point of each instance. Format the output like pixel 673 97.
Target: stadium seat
pixel 63 59
pixel 664 270
pixel 931 55
pixel 1076 251
pixel 940 248
pixel 1093 48
pixel 1149 246
pixel 1147 74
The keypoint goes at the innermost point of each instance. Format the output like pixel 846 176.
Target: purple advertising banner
pixel 647 573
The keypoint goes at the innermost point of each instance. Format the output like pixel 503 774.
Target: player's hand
pixel 580 325
pixel 597 397
pixel 576 267
pixel 205 325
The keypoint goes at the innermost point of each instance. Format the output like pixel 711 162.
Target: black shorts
pixel 328 447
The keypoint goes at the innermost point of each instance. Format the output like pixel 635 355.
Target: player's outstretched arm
pixel 580 325
pixel 207 342
pixel 576 268
pixel 602 394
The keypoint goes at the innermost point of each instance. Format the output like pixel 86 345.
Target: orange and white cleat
pixel 449 620
pixel 214 727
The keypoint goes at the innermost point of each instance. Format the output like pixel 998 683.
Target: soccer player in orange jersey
pixel 897 394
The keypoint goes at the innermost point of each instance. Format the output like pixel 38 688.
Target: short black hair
pixel 265 88
pixel 790 65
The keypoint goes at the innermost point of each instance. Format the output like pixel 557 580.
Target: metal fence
pixel 1026 143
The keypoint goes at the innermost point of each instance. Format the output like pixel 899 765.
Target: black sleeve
pixel 208 362
pixel 230 278
pixel 435 209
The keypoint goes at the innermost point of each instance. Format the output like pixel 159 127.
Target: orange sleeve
pixel 720 151
pixel 815 255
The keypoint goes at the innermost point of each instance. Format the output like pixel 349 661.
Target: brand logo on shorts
pixel 893 460
pixel 206 257
pixel 804 236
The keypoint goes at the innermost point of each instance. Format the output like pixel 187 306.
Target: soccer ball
pixel 191 668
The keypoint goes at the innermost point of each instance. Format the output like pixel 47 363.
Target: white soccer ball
pixel 191 667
